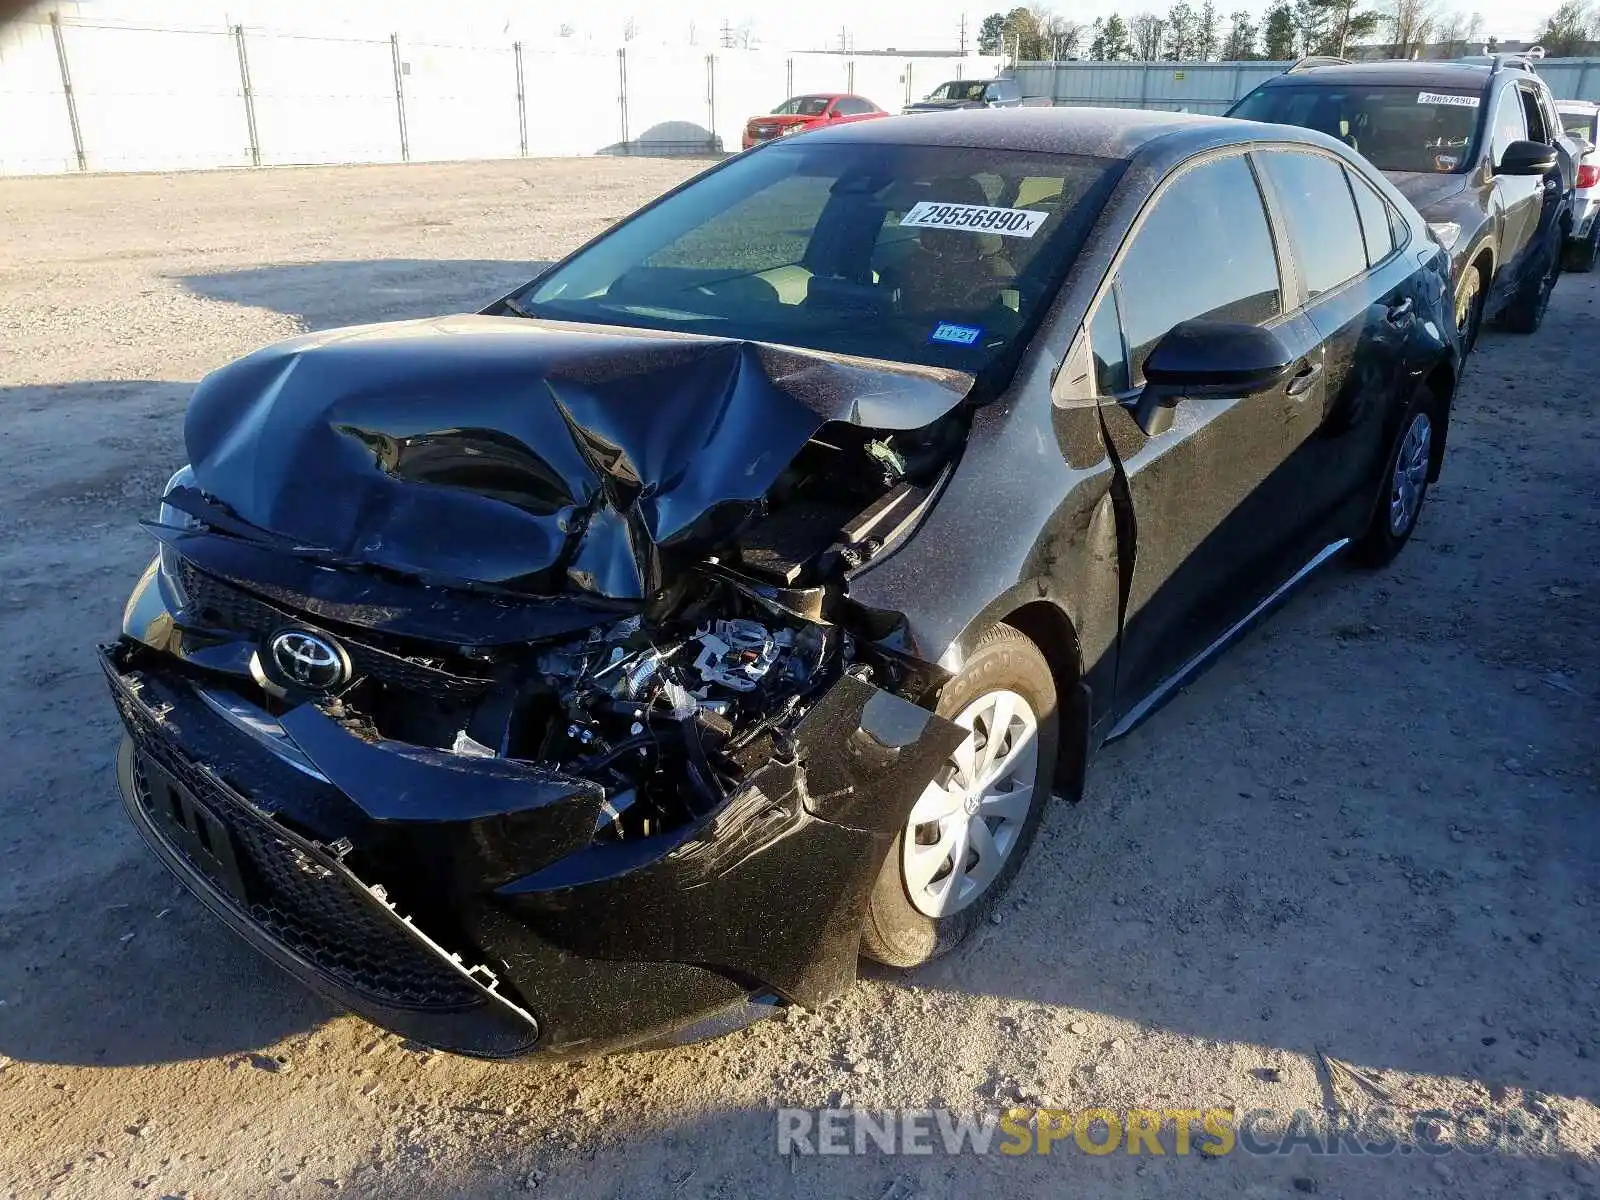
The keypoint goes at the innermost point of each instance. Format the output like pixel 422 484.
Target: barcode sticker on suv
pixel 1446 98
pixel 1008 222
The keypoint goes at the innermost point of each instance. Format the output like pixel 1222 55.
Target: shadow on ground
pixel 325 295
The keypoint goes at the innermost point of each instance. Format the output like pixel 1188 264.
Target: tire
pixel 919 907
pixel 1470 297
pixel 1580 256
pixel 1404 484
pixel 1526 311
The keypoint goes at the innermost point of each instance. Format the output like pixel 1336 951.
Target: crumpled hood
pixel 540 455
pixel 1425 188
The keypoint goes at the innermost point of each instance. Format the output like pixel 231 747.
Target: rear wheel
pixel 1405 483
pixel 969 831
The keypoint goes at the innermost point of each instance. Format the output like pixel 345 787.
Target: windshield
pixel 938 255
pixel 1579 124
pixel 1395 128
pixel 802 106
pixel 958 90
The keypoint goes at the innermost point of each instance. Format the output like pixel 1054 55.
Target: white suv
pixel 1581 119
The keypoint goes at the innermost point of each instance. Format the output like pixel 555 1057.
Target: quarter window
pixel 1204 251
pixel 1376 224
pixel 1105 339
pixel 1321 217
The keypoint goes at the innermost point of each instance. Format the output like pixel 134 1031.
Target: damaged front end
pixel 628 784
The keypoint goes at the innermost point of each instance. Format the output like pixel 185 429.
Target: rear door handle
pixel 1307 375
pixel 1400 312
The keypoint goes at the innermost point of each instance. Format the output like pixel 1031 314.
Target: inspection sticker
pixel 1008 222
pixel 1446 98
pixel 957 335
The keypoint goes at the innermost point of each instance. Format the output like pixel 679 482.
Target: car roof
pixel 1100 132
pixel 1425 74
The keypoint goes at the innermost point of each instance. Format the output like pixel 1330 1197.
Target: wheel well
pixel 1047 627
pixel 1485 264
pixel 1050 629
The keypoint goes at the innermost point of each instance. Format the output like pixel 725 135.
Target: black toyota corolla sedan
pixel 620 663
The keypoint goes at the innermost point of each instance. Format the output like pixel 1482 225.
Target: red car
pixel 807 112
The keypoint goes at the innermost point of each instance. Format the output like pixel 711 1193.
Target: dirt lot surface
pixel 1372 831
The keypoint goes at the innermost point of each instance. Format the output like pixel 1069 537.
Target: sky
pixel 774 24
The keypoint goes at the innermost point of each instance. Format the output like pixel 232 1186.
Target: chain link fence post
pixel 622 97
pixel 66 89
pixel 399 96
pixel 711 103
pixel 522 103
pixel 249 96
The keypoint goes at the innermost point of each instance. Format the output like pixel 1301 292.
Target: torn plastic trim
pixel 259 726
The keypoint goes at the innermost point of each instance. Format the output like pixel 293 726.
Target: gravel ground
pixel 1371 831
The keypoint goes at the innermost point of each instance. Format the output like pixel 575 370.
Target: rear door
pixel 1216 514
pixel 1359 293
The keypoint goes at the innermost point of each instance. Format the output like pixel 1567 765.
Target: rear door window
pixel 1204 251
pixel 1321 215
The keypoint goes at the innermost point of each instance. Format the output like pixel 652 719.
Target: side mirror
pixel 1526 158
pixel 834 114
pixel 1208 358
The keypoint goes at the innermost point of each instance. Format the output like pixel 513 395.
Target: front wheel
pixel 1405 484
pixel 1469 308
pixel 966 836
pixel 1526 311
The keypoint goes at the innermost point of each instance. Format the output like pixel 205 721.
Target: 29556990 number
pixel 1008 222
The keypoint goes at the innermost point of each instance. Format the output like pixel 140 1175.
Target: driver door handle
pixel 1302 380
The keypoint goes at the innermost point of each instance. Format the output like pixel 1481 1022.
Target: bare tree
pixel 1148 31
pixel 1410 25
pixel 1060 37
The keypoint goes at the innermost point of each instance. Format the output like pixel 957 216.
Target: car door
pixel 1360 294
pixel 1515 196
pixel 1214 515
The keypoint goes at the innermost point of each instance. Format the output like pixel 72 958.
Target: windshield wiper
pixel 515 305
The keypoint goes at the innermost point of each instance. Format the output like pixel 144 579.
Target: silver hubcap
pixel 1410 474
pixel 967 821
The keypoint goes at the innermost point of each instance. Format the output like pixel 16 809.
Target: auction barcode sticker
pixel 1008 222
pixel 1446 98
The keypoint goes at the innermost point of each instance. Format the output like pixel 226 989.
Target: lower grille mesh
pixel 302 904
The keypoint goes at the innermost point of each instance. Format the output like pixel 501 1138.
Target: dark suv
pixel 969 93
pixel 1477 146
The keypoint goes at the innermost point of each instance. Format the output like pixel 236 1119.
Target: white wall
pixel 169 98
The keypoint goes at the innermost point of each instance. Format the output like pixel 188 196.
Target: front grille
pixel 221 605
pixel 304 905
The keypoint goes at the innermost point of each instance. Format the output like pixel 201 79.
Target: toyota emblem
pixel 310 661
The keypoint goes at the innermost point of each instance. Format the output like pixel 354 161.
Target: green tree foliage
pixel 1282 34
pixel 1240 43
pixel 989 33
pixel 1110 41
pixel 1566 29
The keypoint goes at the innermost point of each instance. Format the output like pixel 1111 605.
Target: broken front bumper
pixel 409 886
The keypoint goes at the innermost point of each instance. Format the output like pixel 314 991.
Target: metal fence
pixel 82 95
pixel 1213 87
